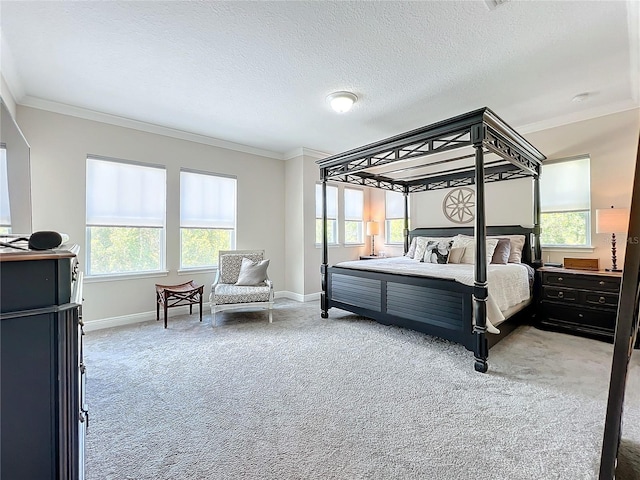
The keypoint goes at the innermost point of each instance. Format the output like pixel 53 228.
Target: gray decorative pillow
pixel 437 251
pixel 502 252
pixel 252 273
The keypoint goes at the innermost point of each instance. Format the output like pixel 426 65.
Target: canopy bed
pixel 471 149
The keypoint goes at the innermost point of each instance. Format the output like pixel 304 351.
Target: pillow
pixel 469 245
pixel 421 247
pixel 437 251
pixel 252 273
pixel 502 251
pixel 517 244
pixel 412 248
pixel 455 254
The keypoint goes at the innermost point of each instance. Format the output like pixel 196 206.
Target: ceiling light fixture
pixel 581 97
pixel 342 102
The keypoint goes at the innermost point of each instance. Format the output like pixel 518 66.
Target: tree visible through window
pixel 125 217
pixel 207 217
pixel 565 198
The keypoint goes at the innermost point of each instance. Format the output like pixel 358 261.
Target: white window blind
pixel 394 205
pixel 332 201
pixel 125 194
pixel 5 211
pixel 353 204
pixel 565 186
pixel 207 201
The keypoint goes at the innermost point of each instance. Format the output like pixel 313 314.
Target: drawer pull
pixel 560 294
pixel 560 279
pixel 601 300
pixel 601 283
pixel 580 315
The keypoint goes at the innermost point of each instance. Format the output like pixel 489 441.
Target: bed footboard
pixel 438 307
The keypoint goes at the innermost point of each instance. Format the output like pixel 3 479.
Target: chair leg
pixel 270 314
pixel 213 315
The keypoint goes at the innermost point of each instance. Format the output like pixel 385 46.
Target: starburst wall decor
pixel 459 205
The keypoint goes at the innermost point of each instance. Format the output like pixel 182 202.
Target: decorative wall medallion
pixel 459 205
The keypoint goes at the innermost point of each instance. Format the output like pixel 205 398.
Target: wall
pixel 59 147
pixel 611 141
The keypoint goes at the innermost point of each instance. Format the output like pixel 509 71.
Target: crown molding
pixel 584 115
pixel 78 112
pixel 306 152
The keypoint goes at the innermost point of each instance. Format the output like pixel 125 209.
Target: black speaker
pixel 44 240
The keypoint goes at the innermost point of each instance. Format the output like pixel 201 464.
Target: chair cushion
pixel 230 264
pixel 225 294
pixel 253 273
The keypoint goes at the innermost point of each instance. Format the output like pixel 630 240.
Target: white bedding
pixel 508 285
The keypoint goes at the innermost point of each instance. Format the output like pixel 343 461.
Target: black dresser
pixel 42 376
pixel 579 301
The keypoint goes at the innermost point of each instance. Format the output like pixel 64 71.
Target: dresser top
pixel 8 254
pixel 602 273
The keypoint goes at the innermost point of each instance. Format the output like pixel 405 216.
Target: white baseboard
pixel 298 297
pixel 101 323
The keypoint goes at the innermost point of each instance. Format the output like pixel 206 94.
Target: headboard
pixel 527 250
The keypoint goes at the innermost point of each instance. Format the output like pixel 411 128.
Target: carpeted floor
pixel 344 398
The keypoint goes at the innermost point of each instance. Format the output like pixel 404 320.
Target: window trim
pixel 588 227
pixel 161 271
pixel 234 230
pixel 361 220
pixel 329 219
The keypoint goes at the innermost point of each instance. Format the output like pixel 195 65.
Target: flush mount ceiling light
pixel 342 102
pixel 581 97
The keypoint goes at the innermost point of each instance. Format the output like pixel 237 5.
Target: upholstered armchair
pixel 241 285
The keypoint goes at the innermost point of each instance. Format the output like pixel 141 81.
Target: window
pixel 353 216
pixel 565 200
pixel 207 217
pixel 125 217
pixel 394 217
pixel 5 211
pixel 332 214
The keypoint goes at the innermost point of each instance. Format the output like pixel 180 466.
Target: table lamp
pixel 373 229
pixel 612 220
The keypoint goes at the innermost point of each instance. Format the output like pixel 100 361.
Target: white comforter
pixel 508 284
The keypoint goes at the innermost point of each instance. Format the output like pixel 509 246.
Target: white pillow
pixel 469 245
pixel 252 273
pixel 412 248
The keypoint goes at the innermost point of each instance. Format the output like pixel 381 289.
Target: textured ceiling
pixel 257 73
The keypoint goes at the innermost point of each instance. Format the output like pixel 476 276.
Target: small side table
pixel 177 295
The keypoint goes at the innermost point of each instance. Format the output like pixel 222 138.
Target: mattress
pixel 509 285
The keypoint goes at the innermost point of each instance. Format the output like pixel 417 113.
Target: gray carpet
pixel 343 398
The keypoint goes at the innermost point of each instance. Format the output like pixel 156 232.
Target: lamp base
pixel 612 270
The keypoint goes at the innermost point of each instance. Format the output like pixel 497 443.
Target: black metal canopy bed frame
pixel 474 148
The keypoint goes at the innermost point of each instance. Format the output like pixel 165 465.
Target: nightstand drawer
pixel 600 299
pixel 564 295
pixel 599 283
pixel 580 318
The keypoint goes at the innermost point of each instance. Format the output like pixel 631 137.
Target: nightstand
pixel 579 301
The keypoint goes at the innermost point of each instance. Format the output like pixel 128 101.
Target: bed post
pixel 536 261
pixel 325 254
pixel 405 230
pixel 480 292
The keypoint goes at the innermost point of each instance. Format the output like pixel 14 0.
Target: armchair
pixel 226 295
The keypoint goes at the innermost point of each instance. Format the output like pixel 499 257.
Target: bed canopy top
pixel 440 155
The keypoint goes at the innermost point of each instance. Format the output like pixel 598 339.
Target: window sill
pixel 124 276
pixel 568 248
pixel 330 245
pixel 197 270
pixel 354 244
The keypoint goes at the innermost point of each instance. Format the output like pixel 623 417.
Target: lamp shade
pixel 373 228
pixel 612 220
